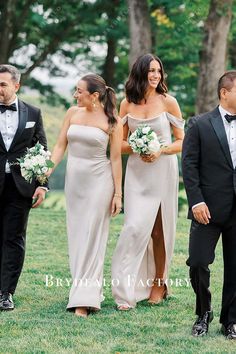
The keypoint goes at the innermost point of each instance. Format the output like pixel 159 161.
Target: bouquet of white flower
pixel 144 140
pixel 35 163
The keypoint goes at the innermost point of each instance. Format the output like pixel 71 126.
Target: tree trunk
pixel 109 65
pixel 213 53
pixel 108 69
pixel 6 29
pixel 232 53
pixel 140 29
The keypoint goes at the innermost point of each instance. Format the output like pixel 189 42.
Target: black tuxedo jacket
pixel 25 137
pixel 208 172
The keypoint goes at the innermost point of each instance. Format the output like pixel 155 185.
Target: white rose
pixel 27 164
pixel 43 152
pixel 153 135
pixel 139 143
pixel 146 130
pixel 38 171
pixel 154 146
pixel 44 169
pixel 33 160
pixel 40 160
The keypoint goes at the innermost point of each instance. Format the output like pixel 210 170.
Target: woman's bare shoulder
pixel 168 99
pixel 124 103
pixel 172 106
pixel 75 109
pixel 124 107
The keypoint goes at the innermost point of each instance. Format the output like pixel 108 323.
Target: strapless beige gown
pixel 148 186
pixel 89 190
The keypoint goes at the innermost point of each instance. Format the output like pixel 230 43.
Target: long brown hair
pixel 107 97
pixel 137 82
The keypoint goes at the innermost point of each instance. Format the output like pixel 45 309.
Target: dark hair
pixel 226 81
pixel 107 97
pixel 15 74
pixel 137 83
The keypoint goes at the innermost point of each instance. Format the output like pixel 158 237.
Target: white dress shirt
pixel 9 121
pixel 230 130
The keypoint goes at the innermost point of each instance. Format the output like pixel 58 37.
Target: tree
pixel 177 28
pixel 140 29
pixel 213 53
pixel 32 32
pixel 111 33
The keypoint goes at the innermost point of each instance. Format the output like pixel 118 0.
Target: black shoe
pixel 229 331
pixel 6 303
pixel 200 327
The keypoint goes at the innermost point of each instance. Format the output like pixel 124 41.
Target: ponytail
pixel 107 97
pixel 110 106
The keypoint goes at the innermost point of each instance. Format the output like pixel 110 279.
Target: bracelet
pixel 118 195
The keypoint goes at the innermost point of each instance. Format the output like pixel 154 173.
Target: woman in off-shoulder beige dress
pixel 145 247
pixel 92 188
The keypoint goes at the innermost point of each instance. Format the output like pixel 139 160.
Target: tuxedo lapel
pixel 23 115
pixel 2 142
pixel 218 125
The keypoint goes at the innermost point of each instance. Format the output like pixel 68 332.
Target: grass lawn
pixel 40 323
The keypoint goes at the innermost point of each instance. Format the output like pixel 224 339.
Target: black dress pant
pixel 203 241
pixel 14 211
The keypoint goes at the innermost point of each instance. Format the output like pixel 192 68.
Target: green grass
pixel 40 324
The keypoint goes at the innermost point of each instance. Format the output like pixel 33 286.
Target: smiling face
pixel 82 94
pixel 8 88
pixel 154 74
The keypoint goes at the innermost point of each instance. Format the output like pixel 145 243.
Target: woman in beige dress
pixel 143 253
pixel 92 187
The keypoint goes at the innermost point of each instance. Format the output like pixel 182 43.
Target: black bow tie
pixel 11 107
pixel 230 118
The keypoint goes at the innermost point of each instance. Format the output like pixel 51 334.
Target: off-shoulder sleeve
pixel 124 119
pixel 177 122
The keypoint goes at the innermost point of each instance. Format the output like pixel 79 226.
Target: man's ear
pixel 17 86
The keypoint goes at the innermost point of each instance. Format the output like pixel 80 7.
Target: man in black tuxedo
pixel 208 162
pixel 21 127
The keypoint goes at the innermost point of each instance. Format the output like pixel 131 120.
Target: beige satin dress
pixel 148 186
pixel 89 190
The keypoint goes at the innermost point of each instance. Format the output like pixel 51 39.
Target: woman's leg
pixel 158 292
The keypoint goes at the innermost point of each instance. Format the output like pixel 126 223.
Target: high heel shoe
pixel 158 293
pixel 81 312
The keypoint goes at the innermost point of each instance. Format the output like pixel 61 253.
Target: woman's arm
pixel 116 165
pixel 125 148
pixel 61 144
pixel 172 107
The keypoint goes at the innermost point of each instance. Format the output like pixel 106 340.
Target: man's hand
pixel 201 214
pixel 39 195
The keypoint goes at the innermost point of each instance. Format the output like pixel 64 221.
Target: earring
pixel 94 103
